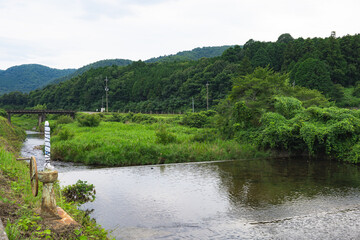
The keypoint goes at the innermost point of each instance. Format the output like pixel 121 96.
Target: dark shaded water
pixel 252 199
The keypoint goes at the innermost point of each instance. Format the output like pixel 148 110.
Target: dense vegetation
pixel 138 139
pixel 17 203
pixel 264 109
pixel 195 54
pixel 28 77
pixel 330 65
pixel 273 95
pixel 98 64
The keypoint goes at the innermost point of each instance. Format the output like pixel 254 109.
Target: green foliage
pixel 89 120
pixel 356 91
pixel 331 132
pixel 287 106
pixel 98 64
pixel 64 119
pixel 39 107
pixel 312 73
pixel 164 137
pixel 119 144
pixel 131 117
pixel 28 224
pixel 196 120
pixel 194 54
pixel 207 135
pixel 80 192
pixel 325 64
pixel 3 113
pixel 65 134
pixel 28 77
pixel 241 115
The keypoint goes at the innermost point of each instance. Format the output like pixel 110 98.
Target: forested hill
pixel 27 77
pixel 326 64
pixel 101 63
pixel 195 54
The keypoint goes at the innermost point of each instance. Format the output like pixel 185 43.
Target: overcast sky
pixel 73 33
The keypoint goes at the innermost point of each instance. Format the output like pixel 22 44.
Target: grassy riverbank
pixel 153 142
pixel 17 204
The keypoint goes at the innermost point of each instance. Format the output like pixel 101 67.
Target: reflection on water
pixel 261 199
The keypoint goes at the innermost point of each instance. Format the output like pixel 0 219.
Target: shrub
pixel 116 117
pixel 64 119
pixel 90 120
pixel 141 118
pixel 164 137
pixel 65 134
pixel 208 135
pixel 80 192
pixel 287 106
pixel 197 120
pixel 356 91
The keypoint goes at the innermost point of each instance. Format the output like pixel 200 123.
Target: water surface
pixel 245 199
pixel 252 199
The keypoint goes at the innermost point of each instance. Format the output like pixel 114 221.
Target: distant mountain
pixel 98 64
pixel 28 77
pixel 195 54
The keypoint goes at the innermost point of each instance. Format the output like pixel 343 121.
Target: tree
pixel 285 38
pixel 312 73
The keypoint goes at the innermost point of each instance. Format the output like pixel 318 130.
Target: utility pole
pixel 193 104
pixel 106 91
pixel 207 96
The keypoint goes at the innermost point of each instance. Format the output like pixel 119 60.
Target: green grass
pixel 26 122
pixel 10 137
pixel 119 144
pixel 24 223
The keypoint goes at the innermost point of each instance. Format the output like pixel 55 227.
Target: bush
pixel 80 192
pixel 64 119
pixel 164 137
pixel 65 134
pixel 90 120
pixel 116 117
pixel 287 106
pixel 196 120
pixel 208 135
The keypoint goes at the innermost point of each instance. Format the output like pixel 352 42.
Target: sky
pixel 73 33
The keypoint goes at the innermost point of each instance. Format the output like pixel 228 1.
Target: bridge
pixel 41 113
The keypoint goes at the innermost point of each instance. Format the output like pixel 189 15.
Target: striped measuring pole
pixel 47 164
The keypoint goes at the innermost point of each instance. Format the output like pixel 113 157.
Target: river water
pixel 245 199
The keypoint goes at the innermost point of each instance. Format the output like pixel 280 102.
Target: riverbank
pixel 17 204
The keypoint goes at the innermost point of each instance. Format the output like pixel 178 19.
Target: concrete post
pixel 48 203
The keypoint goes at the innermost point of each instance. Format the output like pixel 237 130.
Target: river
pixel 245 199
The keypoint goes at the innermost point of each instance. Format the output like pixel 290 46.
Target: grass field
pixel 124 144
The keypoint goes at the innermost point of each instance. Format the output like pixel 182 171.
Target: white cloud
pixel 73 33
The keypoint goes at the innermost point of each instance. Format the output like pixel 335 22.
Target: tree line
pixel 329 65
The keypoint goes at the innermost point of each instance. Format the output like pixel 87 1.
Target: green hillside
pixel 102 63
pixel 28 77
pixel 328 65
pixel 195 54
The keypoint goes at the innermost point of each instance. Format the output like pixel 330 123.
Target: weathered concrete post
pixel 48 203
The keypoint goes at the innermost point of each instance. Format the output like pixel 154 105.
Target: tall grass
pixel 119 144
